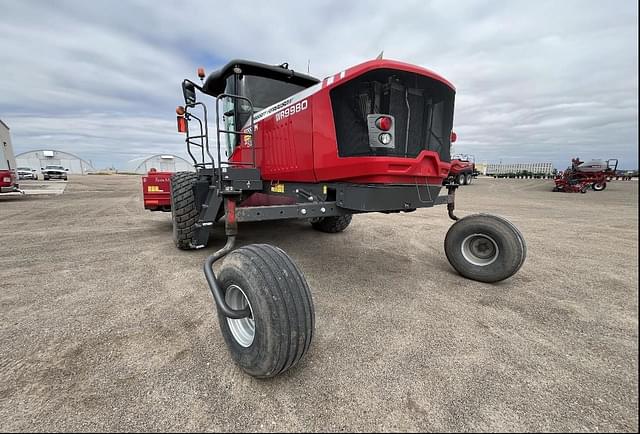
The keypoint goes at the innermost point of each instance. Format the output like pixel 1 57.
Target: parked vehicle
pixel 27 173
pixel 462 170
pixel 8 175
pixel 372 138
pixel 54 172
pixel 156 190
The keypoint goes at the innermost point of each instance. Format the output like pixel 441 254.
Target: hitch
pixel 451 201
pixel 231 229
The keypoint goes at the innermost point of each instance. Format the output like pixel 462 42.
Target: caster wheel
pixel 278 332
pixel 485 248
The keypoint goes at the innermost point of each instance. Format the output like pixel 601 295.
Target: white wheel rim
pixel 480 249
pixel 243 330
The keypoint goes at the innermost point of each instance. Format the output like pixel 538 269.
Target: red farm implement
pixel 375 137
pixel 156 190
pixel 462 170
pixel 581 176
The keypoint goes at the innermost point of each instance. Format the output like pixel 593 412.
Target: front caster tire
pixel 278 333
pixel 332 225
pixel 485 248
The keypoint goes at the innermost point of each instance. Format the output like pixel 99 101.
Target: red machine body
pixel 296 139
pixel 156 190
pixel 8 181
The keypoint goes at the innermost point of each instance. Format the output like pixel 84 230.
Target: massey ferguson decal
pixel 270 110
pixel 294 99
pixel 292 110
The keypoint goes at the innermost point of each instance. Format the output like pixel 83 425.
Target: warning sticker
pixel 277 188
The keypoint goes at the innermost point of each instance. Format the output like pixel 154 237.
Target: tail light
pixel 384 123
pixel 182 124
pixel 454 137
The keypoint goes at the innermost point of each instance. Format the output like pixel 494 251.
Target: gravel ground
pixel 107 326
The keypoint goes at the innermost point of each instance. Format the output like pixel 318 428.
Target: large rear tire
pixel 183 209
pixel 279 331
pixel 332 225
pixel 468 178
pixel 485 248
pixel 461 179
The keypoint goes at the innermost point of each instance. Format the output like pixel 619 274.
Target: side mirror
pixel 189 92
pixel 42 168
pixel 66 170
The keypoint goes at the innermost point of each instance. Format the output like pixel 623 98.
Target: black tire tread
pixel 285 282
pixel 333 225
pixel 183 209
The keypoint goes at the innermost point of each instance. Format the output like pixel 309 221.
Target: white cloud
pixel 540 80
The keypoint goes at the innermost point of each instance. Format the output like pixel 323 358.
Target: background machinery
pixel 463 169
pixel 581 176
pixel 156 190
pixel 8 173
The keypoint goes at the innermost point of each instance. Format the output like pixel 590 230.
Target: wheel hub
pixel 243 329
pixel 480 249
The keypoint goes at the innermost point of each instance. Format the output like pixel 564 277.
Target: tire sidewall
pixel 511 248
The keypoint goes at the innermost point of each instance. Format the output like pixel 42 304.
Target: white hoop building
pixel 160 162
pixel 40 158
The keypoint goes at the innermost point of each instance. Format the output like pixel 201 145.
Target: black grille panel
pixel 422 108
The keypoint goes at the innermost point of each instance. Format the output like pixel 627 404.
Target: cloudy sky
pixel 536 80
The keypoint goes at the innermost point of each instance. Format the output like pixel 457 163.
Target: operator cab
pixel 264 85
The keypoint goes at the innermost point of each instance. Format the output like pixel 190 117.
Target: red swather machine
pixel 580 176
pixel 372 138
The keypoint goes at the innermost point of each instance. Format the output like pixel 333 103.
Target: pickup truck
pixel 54 172
pixel 27 173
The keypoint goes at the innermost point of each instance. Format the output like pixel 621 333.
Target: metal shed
pixel 40 158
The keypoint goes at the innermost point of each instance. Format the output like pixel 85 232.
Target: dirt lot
pixel 106 326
